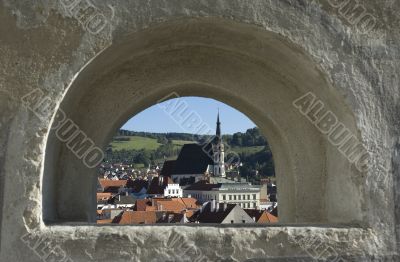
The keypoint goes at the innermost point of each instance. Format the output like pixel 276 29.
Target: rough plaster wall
pixel 42 46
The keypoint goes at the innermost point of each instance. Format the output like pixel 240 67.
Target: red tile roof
pixel 103 196
pixel 105 183
pixel 261 216
pixel 104 221
pixel 136 217
pixel 176 205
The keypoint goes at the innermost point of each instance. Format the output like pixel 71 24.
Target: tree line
pixel 260 162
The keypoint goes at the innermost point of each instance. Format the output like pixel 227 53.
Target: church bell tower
pixel 219 165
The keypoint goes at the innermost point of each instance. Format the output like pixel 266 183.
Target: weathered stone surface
pixel 256 55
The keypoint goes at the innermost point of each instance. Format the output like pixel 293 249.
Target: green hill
pixel 142 149
pixel 140 142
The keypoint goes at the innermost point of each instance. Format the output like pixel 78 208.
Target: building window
pixel 240 197
pixel 248 197
pixel 234 197
pixel 230 197
pixel 254 196
pixel 244 197
pixel 254 204
pixel 223 197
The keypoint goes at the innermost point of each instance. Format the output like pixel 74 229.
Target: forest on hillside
pixel 142 149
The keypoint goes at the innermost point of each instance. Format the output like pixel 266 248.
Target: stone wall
pixel 258 56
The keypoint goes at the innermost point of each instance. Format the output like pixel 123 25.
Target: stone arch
pixel 258 72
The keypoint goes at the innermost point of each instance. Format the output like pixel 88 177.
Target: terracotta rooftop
pixel 261 216
pixel 106 183
pixel 136 217
pixel 103 196
pixel 175 205
pixel 104 221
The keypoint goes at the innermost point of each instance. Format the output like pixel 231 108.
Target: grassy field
pixel 140 142
pixel 137 143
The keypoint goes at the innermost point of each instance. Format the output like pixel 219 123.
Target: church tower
pixel 219 165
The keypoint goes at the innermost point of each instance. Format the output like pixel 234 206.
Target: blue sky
pixel 189 115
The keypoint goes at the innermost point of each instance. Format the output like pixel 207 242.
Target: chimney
pixel 170 217
pixel 216 207
pixel 161 207
pixel 119 197
pixel 254 218
pixel 213 205
pixel 189 196
pixel 202 207
pixel 225 206
pixel 184 217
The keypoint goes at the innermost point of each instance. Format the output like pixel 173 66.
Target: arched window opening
pixel 176 161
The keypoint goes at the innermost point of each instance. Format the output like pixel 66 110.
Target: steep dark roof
pixel 193 159
pixel 157 187
pixel 208 216
pixel 168 168
pixel 137 185
pixel 203 186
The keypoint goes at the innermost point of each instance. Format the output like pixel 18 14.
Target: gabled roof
pixel 136 217
pixel 176 205
pixel 206 215
pixel 170 218
pixel 261 216
pixel 137 185
pixel 193 159
pixel 125 200
pixel 143 205
pixel 188 202
pixel 168 168
pixel 157 187
pixel 106 183
pixel 103 196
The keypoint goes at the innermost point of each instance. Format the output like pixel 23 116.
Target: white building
pixel 243 194
pixel 173 190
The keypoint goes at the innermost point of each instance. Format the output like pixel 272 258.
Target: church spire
pixel 218 132
pixel 218 148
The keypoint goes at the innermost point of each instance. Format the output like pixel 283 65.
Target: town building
pixel 243 194
pixel 164 186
